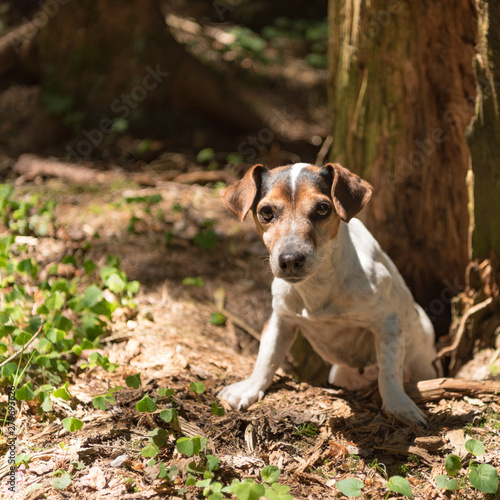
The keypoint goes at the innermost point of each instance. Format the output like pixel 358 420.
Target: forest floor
pixel 189 255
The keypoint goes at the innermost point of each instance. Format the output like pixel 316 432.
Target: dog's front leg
pixel 390 356
pixel 277 338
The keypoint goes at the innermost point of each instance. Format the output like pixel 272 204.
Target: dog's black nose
pixel 292 261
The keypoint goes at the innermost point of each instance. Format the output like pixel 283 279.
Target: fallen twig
pixel 461 327
pixel 23 348
pixel 447 388
pixel 219 301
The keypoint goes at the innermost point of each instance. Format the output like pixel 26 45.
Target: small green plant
pixel 189 281
pixel 307 430
pixel 206 238
pixel 218 319
pixel 64 315
pixel 197 387
pixel 271 489
pixel 379 468
pixel 483 477
pixel 398 484
pixel 350 487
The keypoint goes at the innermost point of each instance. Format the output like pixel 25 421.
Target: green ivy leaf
pixel 91 296
pixel 350 487
pixel 116 283
pixel 9 369
pixel 47 404
pixel 217 410
pixel 159 436
pixel 190 446
pixel 270 473
pixel 217 319
pixel 278 492
pixel 168 415
pixel 62 393
pixel 23 338
pixel 205 155
pixel 475 447
pixel 133 287
pixel 247 490
pixel 55 335
pixel 25 392
pixel 100 403
pixel 399 484
pixel 445 482
pixel 484 477
pixel 167 393
pixel 72 424
pixel 54 302
pixel 150 451
pixel 146 404
pixel 134 381
pixel 213 463
pixel 189 281
pixel 203 483
pixel 89 266
pixel 206 239
pixel 453 464
pixel 62 482
pixel 197 387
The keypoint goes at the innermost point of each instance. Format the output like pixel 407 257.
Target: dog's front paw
pixel 404 406
pixel 242 394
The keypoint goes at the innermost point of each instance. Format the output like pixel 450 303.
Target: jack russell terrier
pixel 334 283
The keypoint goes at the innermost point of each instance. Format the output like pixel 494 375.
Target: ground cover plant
pixel 116 381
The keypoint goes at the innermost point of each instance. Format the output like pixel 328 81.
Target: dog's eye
pixel 266 213
pixel 323 209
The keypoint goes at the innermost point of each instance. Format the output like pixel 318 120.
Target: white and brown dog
pixel 334 283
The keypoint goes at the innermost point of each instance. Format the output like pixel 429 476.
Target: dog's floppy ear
pixel 240 197
pixel 350 193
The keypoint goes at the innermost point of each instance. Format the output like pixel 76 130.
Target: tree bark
pixel 484 141
pixel 401 95
pixel 105 59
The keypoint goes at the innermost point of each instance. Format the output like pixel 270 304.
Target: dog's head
pixel 297 210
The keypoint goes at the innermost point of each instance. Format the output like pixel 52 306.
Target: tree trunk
pixel 401 96
pixel 107 59
pixel 484 141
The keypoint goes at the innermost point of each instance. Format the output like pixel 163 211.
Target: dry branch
pixel 202 177
pixel 31 166
pixel 448 388
pixel 461 327
pixel 25 346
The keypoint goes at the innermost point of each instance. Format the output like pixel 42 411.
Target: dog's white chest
pixel 338 339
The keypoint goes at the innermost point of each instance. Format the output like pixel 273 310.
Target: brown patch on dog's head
pixel 297 210
pixel 349 192
pixel 240 197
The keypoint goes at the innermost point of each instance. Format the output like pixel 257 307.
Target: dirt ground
pixel 315 435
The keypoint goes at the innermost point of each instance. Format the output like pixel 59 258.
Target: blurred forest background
pixel 403 93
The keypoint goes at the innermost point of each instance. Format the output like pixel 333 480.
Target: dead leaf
pixel 456 438
pixel 94 479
